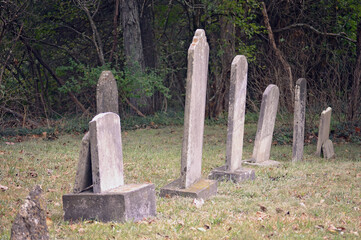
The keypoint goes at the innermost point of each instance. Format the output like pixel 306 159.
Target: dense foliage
pixel 52 53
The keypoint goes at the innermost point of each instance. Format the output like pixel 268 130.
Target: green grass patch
pixel 306 200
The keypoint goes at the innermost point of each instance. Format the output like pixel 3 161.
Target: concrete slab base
pixel 204 188
pixel 240 175
pixel 131 202
pixel 268 163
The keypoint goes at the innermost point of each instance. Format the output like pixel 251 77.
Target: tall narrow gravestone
pixel 324 134
pixel 107 93
pixel 299 120
pixel 108 199
pixel 236 114
pixel 265 127
pixel 190 183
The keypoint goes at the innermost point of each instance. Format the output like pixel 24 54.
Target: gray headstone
pixel 106 152
pixel 191 159
pixel 299 119
pixel 266 123
pixel 327 149
pixel 107 93
pixel 324 129
pixel 30 223
pixel 236 113
pixel 83 177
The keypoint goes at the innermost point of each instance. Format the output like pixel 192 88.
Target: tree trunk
pixel 133 49
pixel 354 104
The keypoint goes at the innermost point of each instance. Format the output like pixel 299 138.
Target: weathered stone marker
pixel 236 114
pixel 30 223
pixel 83 178
pixel 265 127
pixel 108 199
pixel 190 183
pixel 107 93
pixel 299 120
pixel 327 149
pixel 106 152
pixel 324 134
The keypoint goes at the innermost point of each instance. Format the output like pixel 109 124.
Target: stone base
pixel 204 189
pixel 240 175
pixel 268 163
pixel 131 202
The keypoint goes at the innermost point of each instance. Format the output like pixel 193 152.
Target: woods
pixel 52 54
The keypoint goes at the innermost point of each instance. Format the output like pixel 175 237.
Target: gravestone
pixel 327 149
pixel 236 114
pixel 299 120
pixel 190 183
pixel 109 199
pixel 265 127
pixel 30 222
pixel 107 93
pixel 83 178
pixel 106 152
pixel 324 131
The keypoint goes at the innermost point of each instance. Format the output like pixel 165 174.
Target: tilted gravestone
pixel 30 222
pixel 107 93
pixel 236 114
pixel 83 177
pixel 324 134
pixel 107 101
pixel 108 199
pixel 299 120
pixel 265 127
pixel 190 183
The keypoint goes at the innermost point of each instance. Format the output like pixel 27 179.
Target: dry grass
pixel 315 199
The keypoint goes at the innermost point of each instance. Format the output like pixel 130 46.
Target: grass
pixel 314 199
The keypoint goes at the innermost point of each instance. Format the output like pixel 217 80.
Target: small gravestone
pixel 327 149
pixel 109 199
pixel 324 129
pixel 236 114
pixel 30 223
pixel 190 183
pixel 324 144
pixel 265 127
pixel 299 120
pixel 83 178
pixel 107 93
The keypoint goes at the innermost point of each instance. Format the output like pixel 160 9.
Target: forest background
pixel 52 53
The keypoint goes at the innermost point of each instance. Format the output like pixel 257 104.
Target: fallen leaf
pixel 3 188
pixel 49 222
pixel 81 230
pixel 9 143
pixel 201 229
pixel 319 227
pixel 2 152
pixel 263 208
pixel 207 226
pixel 279 210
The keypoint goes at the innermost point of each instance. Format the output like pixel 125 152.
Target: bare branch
pixel 341 34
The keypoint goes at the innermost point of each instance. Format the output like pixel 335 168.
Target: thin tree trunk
pixel 115 30
pixel 279 54
pixel 354 105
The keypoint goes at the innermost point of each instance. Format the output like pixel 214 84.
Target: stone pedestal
pixel 131 202
pixel 268 163
pixel 239 175
pixel 204 189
